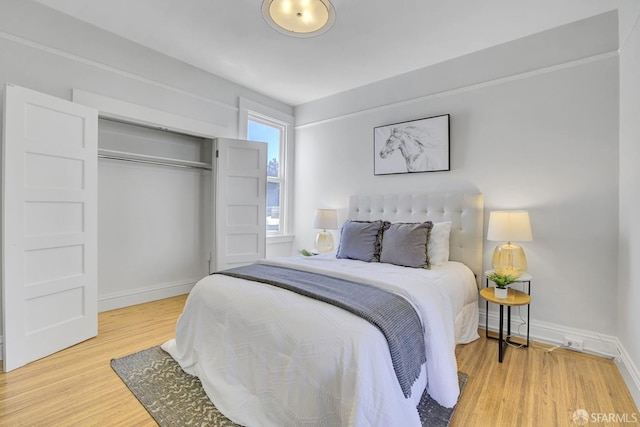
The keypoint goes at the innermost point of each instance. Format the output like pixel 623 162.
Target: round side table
pixel 514 298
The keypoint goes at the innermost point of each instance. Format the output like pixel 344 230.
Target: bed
pixel 267 356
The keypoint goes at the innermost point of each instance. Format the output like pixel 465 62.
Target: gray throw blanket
pixel 391 313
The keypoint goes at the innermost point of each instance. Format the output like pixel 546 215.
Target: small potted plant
pixel 501 281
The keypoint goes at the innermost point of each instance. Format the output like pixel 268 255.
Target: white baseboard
pixel 629 372
pixel 594 343
pixel 141 295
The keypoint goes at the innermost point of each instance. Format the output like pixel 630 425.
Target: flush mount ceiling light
pixel 299 18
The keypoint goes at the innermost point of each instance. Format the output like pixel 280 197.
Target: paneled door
pixel 49 225
pixel 240 182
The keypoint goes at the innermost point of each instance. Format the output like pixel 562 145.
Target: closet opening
pixel 154 212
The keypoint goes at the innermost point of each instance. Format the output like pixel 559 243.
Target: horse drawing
pixel 420 154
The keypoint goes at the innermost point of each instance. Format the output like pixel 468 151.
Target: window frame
pixel 253 111
pixel 280 178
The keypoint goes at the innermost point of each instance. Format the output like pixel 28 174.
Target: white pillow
pixel 438 247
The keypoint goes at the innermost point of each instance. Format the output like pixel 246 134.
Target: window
pixel 258 122
pixel 273 133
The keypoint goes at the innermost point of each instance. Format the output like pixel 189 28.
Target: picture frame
pixel 413 146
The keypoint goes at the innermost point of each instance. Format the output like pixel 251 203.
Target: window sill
pixel 280 238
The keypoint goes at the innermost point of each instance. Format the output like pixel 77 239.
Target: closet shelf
pixel 145 158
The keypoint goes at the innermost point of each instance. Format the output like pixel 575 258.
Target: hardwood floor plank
pixel 76 386
pixel 532 387
pixel 535 387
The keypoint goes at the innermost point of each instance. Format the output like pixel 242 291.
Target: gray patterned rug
pixel 176 399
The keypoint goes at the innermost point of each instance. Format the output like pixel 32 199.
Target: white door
pixel 49 225
pixel 240 176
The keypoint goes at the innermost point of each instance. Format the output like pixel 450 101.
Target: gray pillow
pixel 406 244
pixel 361 240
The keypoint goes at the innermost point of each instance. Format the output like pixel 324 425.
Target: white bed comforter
pixel 270 357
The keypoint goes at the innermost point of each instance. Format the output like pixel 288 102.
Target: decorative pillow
pixel 438 247
pixel 406 244
pixel 361 240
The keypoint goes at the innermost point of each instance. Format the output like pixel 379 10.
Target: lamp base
pixel 509 259
pixel 324 241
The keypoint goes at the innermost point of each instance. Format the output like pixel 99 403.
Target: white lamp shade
pixel 509 226
pixel 325 219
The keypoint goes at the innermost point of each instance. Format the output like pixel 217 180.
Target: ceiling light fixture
pixel 299 18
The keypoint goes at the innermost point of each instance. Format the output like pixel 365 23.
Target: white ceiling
pixel 370 41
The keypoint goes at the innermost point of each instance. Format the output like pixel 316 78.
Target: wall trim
pixel 279 239
pixel 464 89
pixel 594 343
pixel 119 110
pixel 109 68
pixel 122 299
pixel 549 333
pixel 630 372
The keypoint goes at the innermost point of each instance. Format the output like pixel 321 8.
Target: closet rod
pixel 141 158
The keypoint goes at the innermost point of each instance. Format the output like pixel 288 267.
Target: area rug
pixel 176 399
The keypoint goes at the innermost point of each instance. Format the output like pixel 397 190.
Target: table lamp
pixel 325 219
pixel 510 226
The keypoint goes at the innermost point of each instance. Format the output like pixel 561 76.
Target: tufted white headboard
pixel 465 211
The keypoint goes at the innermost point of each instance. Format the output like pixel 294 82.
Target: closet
pixel 153 216
pixel 93 207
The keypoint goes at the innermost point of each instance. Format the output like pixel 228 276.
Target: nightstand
pixel 514 298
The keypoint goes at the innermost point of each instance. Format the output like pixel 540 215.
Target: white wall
pixel 629 237
pixel 540 133
pixel 52 53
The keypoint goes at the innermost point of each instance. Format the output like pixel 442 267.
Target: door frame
pixel 127 112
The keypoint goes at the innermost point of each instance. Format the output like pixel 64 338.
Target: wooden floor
pixel 537 387
pixel 77 387
pixel 532 387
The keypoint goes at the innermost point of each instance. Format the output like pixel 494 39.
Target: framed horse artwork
pixel 415 146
